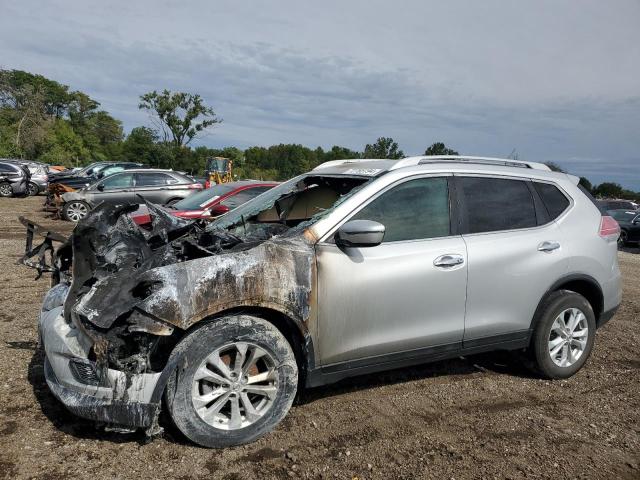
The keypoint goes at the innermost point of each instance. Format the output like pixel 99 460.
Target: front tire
pixel 6 190
pixel 238 382
pixel 75 210
pixel 564 335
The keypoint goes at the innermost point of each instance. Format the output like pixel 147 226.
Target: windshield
pixel 292 204
pixel 197 201
pixel 91 169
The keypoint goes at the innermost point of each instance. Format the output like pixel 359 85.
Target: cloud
pixel 555 82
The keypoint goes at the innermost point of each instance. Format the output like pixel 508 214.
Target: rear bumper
pixel 104 395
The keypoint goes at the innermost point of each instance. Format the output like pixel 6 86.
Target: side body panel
pixel 508 276
pixel 390 298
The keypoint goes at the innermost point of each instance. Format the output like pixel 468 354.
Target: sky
pixel 554 80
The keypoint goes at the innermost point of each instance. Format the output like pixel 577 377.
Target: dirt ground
pixel 476 417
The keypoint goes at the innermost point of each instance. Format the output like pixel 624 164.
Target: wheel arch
pixel 293 330
pixel 582 284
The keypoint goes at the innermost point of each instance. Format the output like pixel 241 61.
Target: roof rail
pixel 424 160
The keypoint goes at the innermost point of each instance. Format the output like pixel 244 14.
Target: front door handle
pixel 548 246
pixel 449 260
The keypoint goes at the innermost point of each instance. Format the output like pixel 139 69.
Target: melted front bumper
pixel 109 396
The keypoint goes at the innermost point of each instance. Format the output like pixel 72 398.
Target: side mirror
pixel 360 233
pixel 100 187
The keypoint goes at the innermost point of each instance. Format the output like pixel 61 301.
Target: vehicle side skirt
pixel 332 373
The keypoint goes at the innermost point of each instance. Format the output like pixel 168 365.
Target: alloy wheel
pixel 568 337
pixel 5 190
pixel 32 189
pixel 235 386
pixel 76 211
pixel 622 239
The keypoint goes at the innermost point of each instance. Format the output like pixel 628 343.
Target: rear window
pixel 198 200
pixel 554 200
pixel 243 196
pixel 495 204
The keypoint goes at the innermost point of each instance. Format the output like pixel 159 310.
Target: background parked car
pixel 618 204
pixel 14 179
pixel 82 179
pixel 211 202
pixel 84 171
pixel 155 185
pixel 629 221
pixel 86 177
pixel 39 172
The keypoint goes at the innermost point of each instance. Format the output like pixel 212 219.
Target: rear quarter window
pixel 553 199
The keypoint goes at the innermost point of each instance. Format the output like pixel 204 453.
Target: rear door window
pixel 414 210
pixel 496 204
pixel 554 200
pixel 153 179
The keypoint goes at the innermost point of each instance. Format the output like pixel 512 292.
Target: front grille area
pixel 84 372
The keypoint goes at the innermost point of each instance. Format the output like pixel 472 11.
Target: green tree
pixel 586 184
pixel 608 190
pixel 140 146
pixel 340 153
pixel 384 147
pixel 180 116
pixel 555 167
pixel 63 146
pixel 439 148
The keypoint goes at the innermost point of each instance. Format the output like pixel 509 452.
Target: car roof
pixel 387 164
pixel 440 163
pixel 149 170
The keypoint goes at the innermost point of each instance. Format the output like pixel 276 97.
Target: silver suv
pixel 357 266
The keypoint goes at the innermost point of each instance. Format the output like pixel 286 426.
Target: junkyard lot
pixel 466 418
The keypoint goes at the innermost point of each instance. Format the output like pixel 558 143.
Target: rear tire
pixel 622 239
pixel 564 335
pixel 236 382
pixel 32 189
pixel 75 210
pixel 6 190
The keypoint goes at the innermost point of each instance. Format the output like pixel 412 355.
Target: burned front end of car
pixel 126 295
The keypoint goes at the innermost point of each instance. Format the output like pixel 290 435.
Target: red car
pixel 211 202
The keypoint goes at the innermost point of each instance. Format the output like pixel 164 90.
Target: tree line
pixel 41 119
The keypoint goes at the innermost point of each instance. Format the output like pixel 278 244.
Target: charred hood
pixel 178 272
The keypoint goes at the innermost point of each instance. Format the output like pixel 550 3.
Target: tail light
pixel 195 186
pixel 207 184
pixel 609 227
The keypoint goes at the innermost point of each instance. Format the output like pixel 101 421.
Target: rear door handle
pixel 548 246
pixel 449 260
